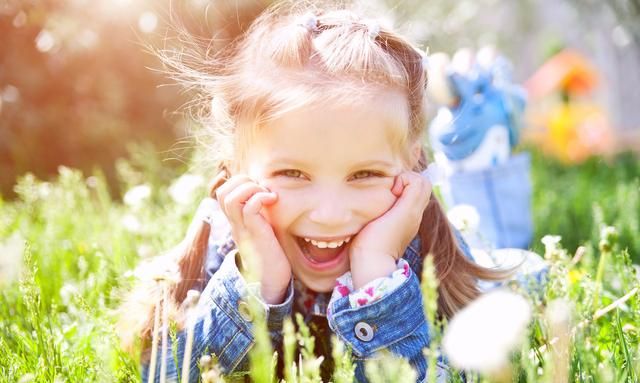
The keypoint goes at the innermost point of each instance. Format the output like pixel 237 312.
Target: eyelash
pixel 298 174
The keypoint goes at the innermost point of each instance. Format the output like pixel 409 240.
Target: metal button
pixel 364 332
pixel 244 311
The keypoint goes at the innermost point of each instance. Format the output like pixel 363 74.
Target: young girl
pixel 317 122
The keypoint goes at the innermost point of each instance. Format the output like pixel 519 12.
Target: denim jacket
pixel 395 323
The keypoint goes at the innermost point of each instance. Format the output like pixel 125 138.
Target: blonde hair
pixel 296 55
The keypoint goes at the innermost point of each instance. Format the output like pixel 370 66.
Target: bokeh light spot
pixel 148 22
pixel 45 41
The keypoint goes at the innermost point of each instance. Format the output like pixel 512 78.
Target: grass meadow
pixel 68 249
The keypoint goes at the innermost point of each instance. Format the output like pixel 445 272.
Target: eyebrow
pixel 363 164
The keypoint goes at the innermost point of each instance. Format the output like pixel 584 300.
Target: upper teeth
pixel 324 245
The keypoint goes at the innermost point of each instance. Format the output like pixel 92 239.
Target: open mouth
pixel 323 253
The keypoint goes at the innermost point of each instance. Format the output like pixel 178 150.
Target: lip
pixel 324 266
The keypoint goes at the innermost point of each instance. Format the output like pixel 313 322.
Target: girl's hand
pixel 376 248
pixel 241 199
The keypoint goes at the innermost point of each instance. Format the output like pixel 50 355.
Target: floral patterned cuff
pixel 372 291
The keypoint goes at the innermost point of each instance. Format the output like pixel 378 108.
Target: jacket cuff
pixel 373 290
pixel 376 326
pixel 274 314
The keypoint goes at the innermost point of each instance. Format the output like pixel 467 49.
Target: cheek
pixel 376 202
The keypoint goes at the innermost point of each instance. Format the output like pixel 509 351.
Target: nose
pixel 330 210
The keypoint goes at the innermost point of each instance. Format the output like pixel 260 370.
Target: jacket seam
pixel 242 330
pixel 244 353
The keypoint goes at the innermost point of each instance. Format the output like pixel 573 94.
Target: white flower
pixel 464 217
pixel 559 312
pixel 145 250
pixel 11 259
pixel 550 242
pixel 182 190
pixel 67 292
pixel 481 336
pixel 131 223
pixel 136 195
pixel 607 232
pixel 44 190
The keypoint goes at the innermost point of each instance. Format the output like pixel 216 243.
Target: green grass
pixel 56 320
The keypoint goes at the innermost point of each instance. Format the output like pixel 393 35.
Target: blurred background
pixel 79 86
pixel 82 87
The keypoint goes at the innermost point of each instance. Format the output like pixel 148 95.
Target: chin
pixel 324 285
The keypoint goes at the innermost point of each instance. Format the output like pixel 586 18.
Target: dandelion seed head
pixel 67 292
pixel 131 223
pixel 558 312
pixel 11 252
pixel 483 334
pixel 206 362
pixel 608 232
pixel 183 189
pixel 464 217
pixel 44 190
pixel 135 196
pixel 145 250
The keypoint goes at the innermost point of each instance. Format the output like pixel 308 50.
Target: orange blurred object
pixel 578 131
pixel 568 71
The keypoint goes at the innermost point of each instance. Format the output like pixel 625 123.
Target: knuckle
pixel 246 209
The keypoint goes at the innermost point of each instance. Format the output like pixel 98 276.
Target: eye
pixel 363 174
pixel 290 173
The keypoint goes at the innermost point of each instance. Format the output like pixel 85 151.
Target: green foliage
pixel 56 320
pixel 576 201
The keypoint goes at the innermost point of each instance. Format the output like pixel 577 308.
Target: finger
pixel 418 186
pixel 228 186
pixel 234 201
pixel 397 187
pixel 416 191
pixel 253 220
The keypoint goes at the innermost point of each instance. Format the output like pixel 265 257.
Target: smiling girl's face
pixel 332 167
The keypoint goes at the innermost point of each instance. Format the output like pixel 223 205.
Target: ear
pixel 416 153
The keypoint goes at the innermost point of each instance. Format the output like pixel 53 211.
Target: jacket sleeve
pixel 395 322
pixel 223 325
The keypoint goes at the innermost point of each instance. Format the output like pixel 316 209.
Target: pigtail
pixel 179 270
pixel 194 249
pixel 457 274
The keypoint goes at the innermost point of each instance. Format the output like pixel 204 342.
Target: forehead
pixel 337 133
